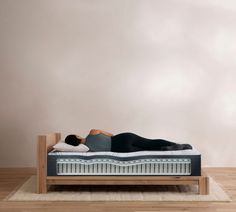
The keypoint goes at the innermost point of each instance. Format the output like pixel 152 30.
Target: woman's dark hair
pixel 72 140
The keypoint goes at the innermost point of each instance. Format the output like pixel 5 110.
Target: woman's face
pixel 82 139
pixel 79 137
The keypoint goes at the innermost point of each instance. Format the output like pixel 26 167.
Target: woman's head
pixel 73 140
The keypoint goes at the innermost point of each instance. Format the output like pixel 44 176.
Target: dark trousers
pixel 130 142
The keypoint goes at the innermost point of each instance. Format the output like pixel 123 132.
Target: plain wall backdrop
pixel 158 68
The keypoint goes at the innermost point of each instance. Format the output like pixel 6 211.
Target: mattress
pixel 162 163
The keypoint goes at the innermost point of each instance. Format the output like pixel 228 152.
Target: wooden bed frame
pixel 45 143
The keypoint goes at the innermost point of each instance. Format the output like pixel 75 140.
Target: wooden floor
pixel 10 178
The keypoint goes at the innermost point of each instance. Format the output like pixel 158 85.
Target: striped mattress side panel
pixel 112 167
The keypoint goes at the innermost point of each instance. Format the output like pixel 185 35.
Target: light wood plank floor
pixel 10 178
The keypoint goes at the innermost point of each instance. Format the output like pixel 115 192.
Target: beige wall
pixel 161 69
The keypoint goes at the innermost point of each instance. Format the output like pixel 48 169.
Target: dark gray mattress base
pixel 191 162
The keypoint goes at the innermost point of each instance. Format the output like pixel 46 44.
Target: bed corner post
pixel 44 145
pixel 42 164
pixel 58 137
pixel 204 184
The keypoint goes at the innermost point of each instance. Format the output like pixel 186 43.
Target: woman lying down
pixel 100 141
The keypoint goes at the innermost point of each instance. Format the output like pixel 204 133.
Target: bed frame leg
pixel 203 185
pixel 42 189
pixel 44 145
pixel 41 165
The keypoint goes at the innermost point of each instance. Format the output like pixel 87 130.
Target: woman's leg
pixel 152 144
pixel 130 142
pixel 159 144
pixel 123 142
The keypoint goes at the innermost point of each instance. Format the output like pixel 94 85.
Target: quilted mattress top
pixel 129 154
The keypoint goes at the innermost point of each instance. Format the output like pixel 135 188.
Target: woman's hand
pixel 95 132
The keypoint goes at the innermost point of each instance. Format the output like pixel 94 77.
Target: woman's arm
pixel 95 132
